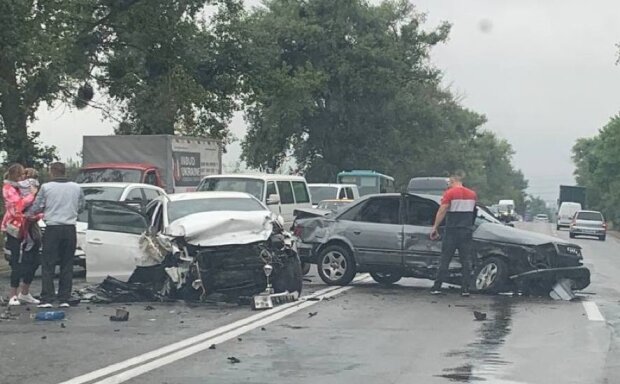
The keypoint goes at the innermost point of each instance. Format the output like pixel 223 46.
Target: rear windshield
pixel 254 187
pixel 182 208
pixel 590 216
pixel 323 193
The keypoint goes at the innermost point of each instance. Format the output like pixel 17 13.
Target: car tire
pixel 491 275
pixel 571 235
pixel 289 278
pixel 305 268
pixel 602 238
pixel 336 265
pixel 386 278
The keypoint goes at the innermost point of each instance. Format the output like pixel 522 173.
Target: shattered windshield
pixel 182 208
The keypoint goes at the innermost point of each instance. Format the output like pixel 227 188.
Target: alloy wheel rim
pixel 334 265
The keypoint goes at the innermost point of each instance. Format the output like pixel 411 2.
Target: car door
pixel 374 228
pixel 418 249
pixel 112 240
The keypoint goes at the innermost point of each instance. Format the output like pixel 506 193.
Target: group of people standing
pixel 58 203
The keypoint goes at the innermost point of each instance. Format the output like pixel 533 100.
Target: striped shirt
pixel 462 207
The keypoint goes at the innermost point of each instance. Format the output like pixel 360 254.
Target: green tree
pixel 41 58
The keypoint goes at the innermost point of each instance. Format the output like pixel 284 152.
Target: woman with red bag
pixel 15 225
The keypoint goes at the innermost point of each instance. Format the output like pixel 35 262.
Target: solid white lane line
pixel 141 359
pixel 594 314
pixel 171 358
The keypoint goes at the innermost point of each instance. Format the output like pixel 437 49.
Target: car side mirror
pixel 273 199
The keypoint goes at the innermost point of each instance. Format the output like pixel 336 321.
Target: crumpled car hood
pixel 505 234
pixel 209 229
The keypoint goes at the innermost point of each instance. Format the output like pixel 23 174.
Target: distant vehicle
pixel 588 223
pixel 566 213
pixel 573 194
pixel 174 163
pixel 541 218
pixel 281 193
pixel 333 205
pixel 506 210
pixel 320 192
pixel 368 182
pixel 428 185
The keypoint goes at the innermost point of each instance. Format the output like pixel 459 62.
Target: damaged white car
pixel 193 245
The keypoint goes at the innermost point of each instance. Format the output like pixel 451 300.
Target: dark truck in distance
pixel 572 193
pixel 388 236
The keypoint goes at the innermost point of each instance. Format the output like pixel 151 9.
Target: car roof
pixel 118 185
pixel 257 176
pixel 587 211
pixel 573 203
pixel 208 195
pixel 336 201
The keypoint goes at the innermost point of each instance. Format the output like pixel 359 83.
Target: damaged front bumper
pixel 546 279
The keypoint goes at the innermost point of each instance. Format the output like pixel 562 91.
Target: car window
pixel 301 192
pixel 590 216
pixel 150 178
pixel 349 192
pixel 151 194
pixel 234 184
pixel 421 212
pixel 377 210
pixel 320 193
pixel 271 189
pixel 342 194
pixel 135 196
pixel 286 192
pixel 110 217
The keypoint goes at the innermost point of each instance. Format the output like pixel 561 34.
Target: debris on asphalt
pixel 480 316
pixel 212 346
pixel 121 315
pixel 8 315
pixel 181 322
pixel 149 308
pixel 293 326
pixel 312 314
pixel 233 360
pixel 239 339
pixel 62 325
pixel 117 330
pixel 87 308
pixel 263 329
pixel 562 290
pixel 43 337
pixel 313 299
pixel 49 315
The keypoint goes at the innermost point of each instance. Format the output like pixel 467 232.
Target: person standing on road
pixel 458 206
pixel 60 201
pixel 14 224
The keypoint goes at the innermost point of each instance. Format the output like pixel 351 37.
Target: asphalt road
pixel 359 334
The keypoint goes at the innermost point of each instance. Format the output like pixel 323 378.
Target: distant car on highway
pixel 588 223
pixel 541 218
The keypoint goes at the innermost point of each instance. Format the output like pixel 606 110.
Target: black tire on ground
pixel 386 278
pixel 602 238
pixel 571 235
pixel 491 275
pixel 336 265
pixel 305 268
pixel 289 277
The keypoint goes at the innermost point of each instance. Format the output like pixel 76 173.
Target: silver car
pixel 588 223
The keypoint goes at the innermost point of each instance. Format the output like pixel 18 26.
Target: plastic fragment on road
pixel 121 315
pixel 270 300
pixel 49 315
pixel 562 290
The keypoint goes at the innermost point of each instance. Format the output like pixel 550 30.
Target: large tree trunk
pixel 13 111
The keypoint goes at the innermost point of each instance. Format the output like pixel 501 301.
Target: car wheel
pixel 491 275
pixel 571 235
pixel 289 278
pixel 386 278
pixel 336 265
pixel 305 268
pixel 602 238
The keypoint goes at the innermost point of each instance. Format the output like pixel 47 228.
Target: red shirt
pixel 462 207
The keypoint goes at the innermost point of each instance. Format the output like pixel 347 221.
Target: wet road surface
pixel 360 334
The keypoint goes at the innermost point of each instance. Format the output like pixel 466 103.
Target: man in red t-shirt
pixel 458 207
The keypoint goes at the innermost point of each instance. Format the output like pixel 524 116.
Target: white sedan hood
pixel 209 229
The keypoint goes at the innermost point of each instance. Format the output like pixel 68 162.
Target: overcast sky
pixel 542 71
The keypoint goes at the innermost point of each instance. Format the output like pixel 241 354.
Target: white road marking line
pixel 594 314
pixel 246 322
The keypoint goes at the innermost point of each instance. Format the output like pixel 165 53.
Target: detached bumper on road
pixel 580 276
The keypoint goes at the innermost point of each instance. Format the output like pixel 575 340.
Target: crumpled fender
pixel 579 275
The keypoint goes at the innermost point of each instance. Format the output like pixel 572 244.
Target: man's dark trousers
pixel 59 242
pixel 461 239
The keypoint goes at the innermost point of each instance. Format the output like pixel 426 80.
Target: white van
pixel 320 192
pixel 566 213
pixel 281 193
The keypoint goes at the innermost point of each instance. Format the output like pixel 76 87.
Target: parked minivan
pixel 281 193
pixel 320 192
pixel 566 213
